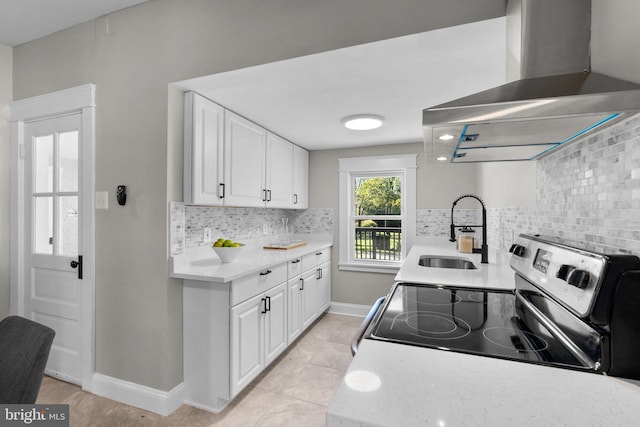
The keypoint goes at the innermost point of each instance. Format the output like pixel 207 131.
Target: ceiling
pixel 25 20
pixel 304 99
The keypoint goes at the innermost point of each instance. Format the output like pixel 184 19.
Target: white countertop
pixel 202 263
pixel 495 275
pixel 400 385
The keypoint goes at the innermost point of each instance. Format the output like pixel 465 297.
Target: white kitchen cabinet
pixel 309 305
pixel 234 330
pixel 294 288
pixel 300 178
pixel 324 286
pixel 247 357
pixel 275 321
pixel 244 166
pixel 294 299
pixel 203 150
pixel 258 335
pixel 279 172
pixel 231 161
pixel 316 288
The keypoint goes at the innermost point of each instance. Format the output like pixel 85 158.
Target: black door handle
pixel 77 264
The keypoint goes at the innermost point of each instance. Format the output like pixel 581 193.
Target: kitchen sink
pixel 446 262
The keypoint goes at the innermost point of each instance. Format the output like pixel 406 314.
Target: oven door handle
pixel 365 325
pixel 557 332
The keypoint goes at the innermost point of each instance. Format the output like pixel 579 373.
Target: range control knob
pixel 564 271
pixel 518 250
pixel 578 278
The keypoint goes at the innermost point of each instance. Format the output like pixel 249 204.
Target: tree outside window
pixel 377 212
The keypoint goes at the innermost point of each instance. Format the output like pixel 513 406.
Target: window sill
pixel 369 268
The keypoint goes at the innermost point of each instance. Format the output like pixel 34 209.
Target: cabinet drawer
pixel 249 286
pixel 316 258
pixel 294 268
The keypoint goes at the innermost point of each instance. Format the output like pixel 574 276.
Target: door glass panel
pixel 43 225
pixel 43 164
pixel 68 161
pixel 68 225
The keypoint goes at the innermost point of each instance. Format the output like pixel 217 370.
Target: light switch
pixel 102 200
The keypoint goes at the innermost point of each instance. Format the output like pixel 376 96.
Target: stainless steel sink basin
pixel 436 261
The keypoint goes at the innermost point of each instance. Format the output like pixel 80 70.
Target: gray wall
pixel 438 186
pixel 6 60
pixel 132 60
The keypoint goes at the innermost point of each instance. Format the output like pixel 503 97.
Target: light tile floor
pixel 294 391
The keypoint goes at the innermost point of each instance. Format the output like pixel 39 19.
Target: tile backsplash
pixel 588 192
pixel 188 223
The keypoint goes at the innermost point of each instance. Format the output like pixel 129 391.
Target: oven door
pixel 365 324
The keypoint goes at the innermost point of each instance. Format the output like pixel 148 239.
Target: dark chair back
pixel 24 351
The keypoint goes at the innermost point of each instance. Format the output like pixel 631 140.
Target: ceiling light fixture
pixel 445 137
pixel 363 122
pixel 441 158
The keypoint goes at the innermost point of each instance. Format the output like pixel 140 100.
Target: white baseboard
pixel 143 397
pixel 349 309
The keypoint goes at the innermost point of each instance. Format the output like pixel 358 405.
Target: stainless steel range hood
pixel 549 107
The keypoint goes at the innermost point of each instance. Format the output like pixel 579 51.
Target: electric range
pixel 571 308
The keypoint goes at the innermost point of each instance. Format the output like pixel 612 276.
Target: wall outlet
pixel 207 234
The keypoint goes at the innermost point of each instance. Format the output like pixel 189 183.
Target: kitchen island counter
pixel 495 275
pixel 391 385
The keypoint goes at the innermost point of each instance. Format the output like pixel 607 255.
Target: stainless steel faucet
pixel 484 248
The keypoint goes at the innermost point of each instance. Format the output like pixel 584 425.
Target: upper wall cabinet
pixel 279 176
pixel 203 151
pixel 244 161
pixel 231 161
pixel 300 178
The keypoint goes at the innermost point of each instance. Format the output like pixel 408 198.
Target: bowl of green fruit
pixel 227 249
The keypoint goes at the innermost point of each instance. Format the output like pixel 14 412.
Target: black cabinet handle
pixel 301 284
pixel 318 273
pixel 264 194
pixel 264 310
pixel 268 195
pixel 318 253
pixel 295 199
pixel 268 304
pixel 265 273
pixel 222 185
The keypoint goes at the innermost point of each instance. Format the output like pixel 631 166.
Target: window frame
pixel 403 165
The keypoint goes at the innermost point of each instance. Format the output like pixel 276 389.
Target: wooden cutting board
pixel 284 247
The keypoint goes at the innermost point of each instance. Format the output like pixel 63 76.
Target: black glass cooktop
pixel 477 321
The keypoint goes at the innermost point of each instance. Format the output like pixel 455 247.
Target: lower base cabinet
pixel 232 333
pixel 258 335
pixel 294 288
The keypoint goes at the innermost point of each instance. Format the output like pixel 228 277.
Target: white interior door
pixel 53 241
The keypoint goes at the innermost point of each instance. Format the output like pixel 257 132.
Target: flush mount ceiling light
pixel 446 137
pixel 363 122
pixel 441 158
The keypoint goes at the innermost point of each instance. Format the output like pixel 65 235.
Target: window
pixel 377 212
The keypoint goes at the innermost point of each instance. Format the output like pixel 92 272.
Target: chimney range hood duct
pixel 555 102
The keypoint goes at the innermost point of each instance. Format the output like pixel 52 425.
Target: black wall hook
pixel 122 194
